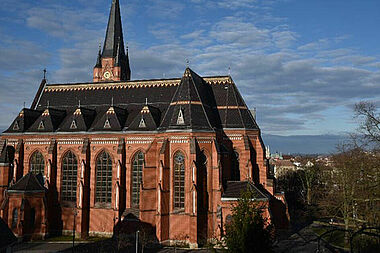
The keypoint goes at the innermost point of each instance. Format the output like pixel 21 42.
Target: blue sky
pixel 302 64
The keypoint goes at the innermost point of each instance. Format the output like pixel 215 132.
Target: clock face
pixel 107 75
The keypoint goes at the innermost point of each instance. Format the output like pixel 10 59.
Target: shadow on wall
pixel 279 216
pixel 125 232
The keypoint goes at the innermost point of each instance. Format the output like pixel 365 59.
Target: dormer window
pixel 16 126
pixel 180 119
pixel 142 123
pixel 41 126
pixel 107 124
pixel 73 124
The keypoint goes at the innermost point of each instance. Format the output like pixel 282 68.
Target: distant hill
pixel 299 144
pixel 303 144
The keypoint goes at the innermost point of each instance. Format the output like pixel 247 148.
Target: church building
pixel 175 153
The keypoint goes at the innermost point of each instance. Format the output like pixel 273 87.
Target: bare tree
pixel 310 178
pixel 370 121
pixel 352 187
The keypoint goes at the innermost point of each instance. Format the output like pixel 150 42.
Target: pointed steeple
pixel 99 59
pixel 114 34
pixel 113 62
pixel 118 60
pixel 127 67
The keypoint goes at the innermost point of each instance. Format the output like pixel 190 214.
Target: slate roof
pixel 110 119
pixel 24 120
pixel 79 120
pixel 6 235
pixel 28 183
pixel 188 102
pixel 234 189
pixel 48 121
pixel 114 33
pixel 207 104
pixel 147 120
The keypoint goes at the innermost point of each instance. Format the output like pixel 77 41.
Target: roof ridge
pixel 237 104
pixel 131 82
pixel 200 98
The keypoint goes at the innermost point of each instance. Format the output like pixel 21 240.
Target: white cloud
pixel 291 84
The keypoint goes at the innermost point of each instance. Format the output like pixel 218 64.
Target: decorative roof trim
pixel 145 109
pixel 111 110
pixel 225 107
pixel 46 112
pixel 131 84
pixel 77 112
pixel 186 103
pixel 108 86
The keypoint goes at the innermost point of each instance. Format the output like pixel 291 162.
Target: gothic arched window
pixel 235 173
pixel 103 192
pixel 179 180
pixel 137 169
pixel 14 218
pixel 202 181
pixel 37 163
pixel 69 177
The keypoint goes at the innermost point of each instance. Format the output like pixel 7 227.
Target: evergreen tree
pixel 248 231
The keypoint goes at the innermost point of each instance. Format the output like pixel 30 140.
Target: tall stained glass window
pixel 103 192
pixel 37 163
pixel 69 177
pixel 179 180
pixel 137 168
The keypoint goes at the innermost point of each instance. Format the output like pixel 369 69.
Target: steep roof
pixel 206 104
pixel 79 120
pixel 48 121
pixel 24 120
pixel 234 113
pixel 112 119
pixel 114 34
pixel 147 120
pixel 234 189
pixel 28 183
pixel 186 110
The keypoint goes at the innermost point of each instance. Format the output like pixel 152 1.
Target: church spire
pixel 114 34
pixel 99 59
pixel 113 62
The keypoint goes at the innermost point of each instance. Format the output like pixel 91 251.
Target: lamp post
pixel 137 241
pixel 75 211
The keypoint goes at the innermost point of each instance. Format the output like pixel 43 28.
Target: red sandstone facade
pixel 156 205
pixel 213 157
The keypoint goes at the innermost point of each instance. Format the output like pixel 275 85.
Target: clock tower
pixel 113 62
